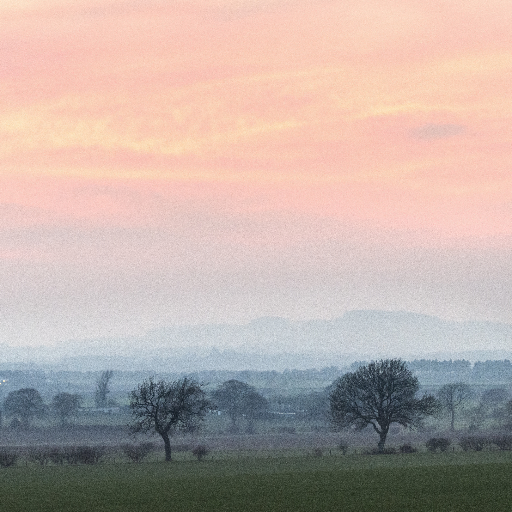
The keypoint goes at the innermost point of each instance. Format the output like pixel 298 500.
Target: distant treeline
pixel 433 371
pixel 481 372
pixel 429 372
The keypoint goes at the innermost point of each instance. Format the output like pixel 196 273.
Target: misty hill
pixel 277 343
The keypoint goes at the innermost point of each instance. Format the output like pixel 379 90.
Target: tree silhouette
pixel 453 397
pixel 238 400
pixel 102 389
pixel 166 407
pixel 25 404
pixel 65 405
pixel 379 394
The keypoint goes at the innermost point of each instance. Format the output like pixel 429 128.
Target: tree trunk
pixel 233 429
pixel 25 421
pixel 383 434
pixel 452 424
pixel 167 445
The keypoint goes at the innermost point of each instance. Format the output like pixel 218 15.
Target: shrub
pixel 317 452
pixel 475 443
pixel 438 443
pixel 7 457
pixel 182 448
pixel 40 455
pixel 45 454
pixel 407 448
pixel 200 451
pixel 503 441
pixel 15 424
pixel 343 447
pixel 387 451
pixel 137 452
pixel 84 454
pixel 56 455
pixel 286 430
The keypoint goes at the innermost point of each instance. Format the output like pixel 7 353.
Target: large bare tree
pixel 379 394
pixel 166 407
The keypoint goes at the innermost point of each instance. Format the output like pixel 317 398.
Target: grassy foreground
pixel 415 482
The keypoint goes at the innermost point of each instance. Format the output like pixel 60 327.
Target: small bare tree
pixel 453 397
pixel 240 400
pixel 65 405
pixel 24 404
pixel 102 389
pixel 166 407
pixel 379 394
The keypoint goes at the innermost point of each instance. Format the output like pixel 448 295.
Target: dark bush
pixel 43 455
pixel 343 447
pixel 200 451
pixel 56 454
pixel 387 451
pixel 137 452
pixel 407 448
pixel 474 443
pixel 182 448
pixel 286 430
pixel 8 457
pixel 503 441
pixel 438 443
pixel 84 454
pixel 317 452
pixel 15 424
pixel 38 454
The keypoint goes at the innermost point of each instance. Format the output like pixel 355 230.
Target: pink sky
pixel 220 160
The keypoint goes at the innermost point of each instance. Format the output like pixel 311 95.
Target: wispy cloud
pixel 432 131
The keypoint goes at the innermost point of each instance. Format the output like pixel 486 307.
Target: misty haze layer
pixel 277 344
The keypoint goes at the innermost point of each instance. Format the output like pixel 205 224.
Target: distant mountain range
pixel 276 343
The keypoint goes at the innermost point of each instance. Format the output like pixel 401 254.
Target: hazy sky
pixel 219 160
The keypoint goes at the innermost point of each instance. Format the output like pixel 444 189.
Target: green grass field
pixel 414 482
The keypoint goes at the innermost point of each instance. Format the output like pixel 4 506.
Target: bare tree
pixel 379 394
pixel 102 389
pixel 492 402
pixel 66 405
pixel 238 400
pixel 166 407
pixel 453 397
pixel 24 404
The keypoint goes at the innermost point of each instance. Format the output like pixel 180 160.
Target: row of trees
pixel 237 399
pixel 493 403
pixel 169 407
pixel 375 395
pixel 26 404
